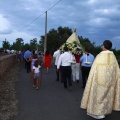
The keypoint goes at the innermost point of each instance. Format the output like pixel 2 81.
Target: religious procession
pixel 99 76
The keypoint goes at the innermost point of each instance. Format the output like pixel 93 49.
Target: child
pixel 36 74
pixel 33 58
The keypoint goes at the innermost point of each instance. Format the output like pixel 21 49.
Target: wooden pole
pixel 45 40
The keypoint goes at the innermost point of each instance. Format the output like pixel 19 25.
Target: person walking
pixel 65 62
pixel 47 60
pixel 102 91
pixel 27 57
pixel 76 66
pixel 86 63
pixel 41 57
pixel 19 55
pixel 78 70
pixel 73 66
pixel 32 60
pixel 56 56
pixel 36 74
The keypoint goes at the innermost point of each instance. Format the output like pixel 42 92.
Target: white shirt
pixel 64 60
pixel 36 69
pixel 8 51
pixel 56 55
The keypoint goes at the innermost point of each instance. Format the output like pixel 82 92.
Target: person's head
pixel 47 52
pixel 36 63
pixel 107 45
pixel 65 48
pixel 87 50
pixel 35 56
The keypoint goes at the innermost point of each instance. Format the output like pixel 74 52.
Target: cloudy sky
pixel 95 19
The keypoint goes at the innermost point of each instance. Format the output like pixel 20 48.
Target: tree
pixel 86 43
pixel 33 43
pixel 55 38
pixel 41 43
pixel 26 46
pixel 19 43
pixel 63 34
pixel 6 44
pixel 13 46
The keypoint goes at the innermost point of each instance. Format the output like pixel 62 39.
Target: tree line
pixel 55 37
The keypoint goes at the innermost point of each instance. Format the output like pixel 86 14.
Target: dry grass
pixel 8 102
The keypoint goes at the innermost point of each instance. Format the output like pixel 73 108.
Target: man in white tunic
pixel 102 91
pixel 56 56
pixel 65 62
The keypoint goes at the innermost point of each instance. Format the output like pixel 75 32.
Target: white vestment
pixel 102 92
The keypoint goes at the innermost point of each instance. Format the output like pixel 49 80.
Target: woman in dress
pixel 47 60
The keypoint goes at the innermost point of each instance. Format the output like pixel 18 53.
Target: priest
pixel 102 91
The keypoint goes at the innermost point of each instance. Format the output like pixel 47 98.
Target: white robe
pixel 102 92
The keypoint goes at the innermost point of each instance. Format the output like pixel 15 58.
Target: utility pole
pixel 45 40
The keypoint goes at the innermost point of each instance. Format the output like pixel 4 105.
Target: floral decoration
pixel 75 47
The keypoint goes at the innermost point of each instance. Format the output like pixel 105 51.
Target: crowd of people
pixel 100 75
pixel 71 66
pixel 100 78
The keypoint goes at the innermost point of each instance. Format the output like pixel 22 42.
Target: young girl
pixel 32 59
pixel 36 74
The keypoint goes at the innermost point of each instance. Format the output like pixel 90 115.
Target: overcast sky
pixel 95 19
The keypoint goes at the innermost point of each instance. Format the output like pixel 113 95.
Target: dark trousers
pixel 27 65
pixel 66 75
pixel 61 74
pixel 85 73
pixel 57 73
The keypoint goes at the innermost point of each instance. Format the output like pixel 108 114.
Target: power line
pixel 39 16
pixel 30 22
pixel 34 19
pixel 54 5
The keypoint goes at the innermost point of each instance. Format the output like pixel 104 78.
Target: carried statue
pixel 73 44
